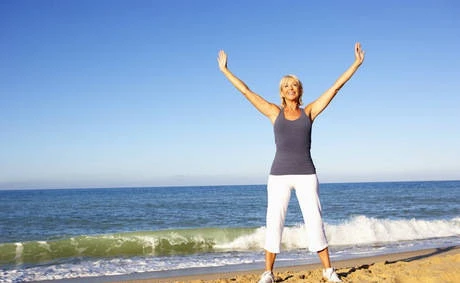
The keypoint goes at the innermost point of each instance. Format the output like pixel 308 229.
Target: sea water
pixel 164 231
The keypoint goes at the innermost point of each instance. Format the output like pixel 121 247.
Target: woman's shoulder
pixel 274 112
pixel 307 111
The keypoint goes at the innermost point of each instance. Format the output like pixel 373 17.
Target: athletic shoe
pixel 267 277
pixel 330 275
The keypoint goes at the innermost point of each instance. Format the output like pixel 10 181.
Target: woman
pixel 292 167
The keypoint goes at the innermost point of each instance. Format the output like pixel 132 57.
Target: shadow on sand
pixel 430 253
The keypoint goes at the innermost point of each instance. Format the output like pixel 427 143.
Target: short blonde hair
pixel 283 81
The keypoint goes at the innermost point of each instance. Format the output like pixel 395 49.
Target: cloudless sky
pixel 128 93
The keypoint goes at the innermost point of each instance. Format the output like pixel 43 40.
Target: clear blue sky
pixel 128 93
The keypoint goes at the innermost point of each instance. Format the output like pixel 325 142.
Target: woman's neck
pixel 291 106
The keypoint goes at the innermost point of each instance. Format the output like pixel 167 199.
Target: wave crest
pixel 359 230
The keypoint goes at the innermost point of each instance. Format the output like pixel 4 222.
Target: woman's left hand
pixel 359 53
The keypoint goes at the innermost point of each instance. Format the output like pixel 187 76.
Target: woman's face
pixel 290 90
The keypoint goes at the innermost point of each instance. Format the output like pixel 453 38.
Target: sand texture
pixel 433 265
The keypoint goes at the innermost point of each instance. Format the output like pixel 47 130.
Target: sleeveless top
pixel 293 141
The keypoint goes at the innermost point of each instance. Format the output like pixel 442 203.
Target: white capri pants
pixel 279 193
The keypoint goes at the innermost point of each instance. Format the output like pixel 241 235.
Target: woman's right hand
pixel 222 60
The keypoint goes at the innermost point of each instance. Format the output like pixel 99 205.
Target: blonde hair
pixel 283 81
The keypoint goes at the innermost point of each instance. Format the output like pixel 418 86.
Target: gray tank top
pixel 293 141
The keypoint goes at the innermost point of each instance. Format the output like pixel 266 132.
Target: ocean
pixel 91 234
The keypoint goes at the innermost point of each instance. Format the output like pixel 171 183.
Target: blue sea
pixel 163 231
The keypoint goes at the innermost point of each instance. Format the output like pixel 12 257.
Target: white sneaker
pixel 267 277
pixel 330 275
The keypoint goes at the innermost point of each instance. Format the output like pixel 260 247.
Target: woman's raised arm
pixel 317 106
pixel 268 109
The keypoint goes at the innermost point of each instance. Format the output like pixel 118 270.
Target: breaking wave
pixel 359 230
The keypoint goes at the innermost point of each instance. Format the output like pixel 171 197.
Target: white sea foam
pixel 246 242
pixel 120 266
pixel 18 254
pixel 359 230
pixel 357 236
pixel 362 230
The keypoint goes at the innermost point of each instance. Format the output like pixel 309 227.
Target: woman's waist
pixel 293 154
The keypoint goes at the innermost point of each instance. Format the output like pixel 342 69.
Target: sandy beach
pixel 430 265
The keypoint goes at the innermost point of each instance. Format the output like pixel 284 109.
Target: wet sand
pixel 430 265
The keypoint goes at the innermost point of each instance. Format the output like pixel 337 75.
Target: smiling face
pixel 291 89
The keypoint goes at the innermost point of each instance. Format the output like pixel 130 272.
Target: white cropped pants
pixel 279 193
